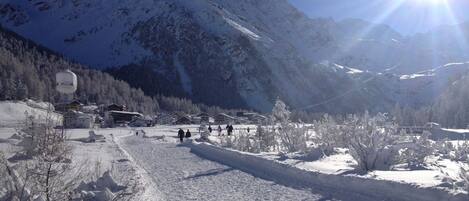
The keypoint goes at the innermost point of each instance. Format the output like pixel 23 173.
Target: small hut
pixel 183 121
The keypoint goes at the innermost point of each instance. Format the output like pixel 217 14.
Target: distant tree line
pixel 450 109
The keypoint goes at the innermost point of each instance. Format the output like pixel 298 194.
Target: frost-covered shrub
pixel 265 139
pixel 292 137
pixel 204 133
pixel 461 152
pixel 416 152
pixel 280 112
pixel 328 135
pixel 370 141
pixel 444 148
pixel 242 142
pixel 464 175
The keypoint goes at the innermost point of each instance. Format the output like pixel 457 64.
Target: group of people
pixel 181 134
pixel 229 130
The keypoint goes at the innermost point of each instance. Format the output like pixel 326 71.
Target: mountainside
pixel 28 71
pixel 218 52
pixel 378 48
pixel 227 53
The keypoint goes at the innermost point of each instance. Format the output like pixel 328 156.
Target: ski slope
pixel 181 175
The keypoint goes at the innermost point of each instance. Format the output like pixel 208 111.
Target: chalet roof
pixel 125 112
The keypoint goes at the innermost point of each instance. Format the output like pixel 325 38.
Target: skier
pixel 136 133
pixel 219 130
pixel 248 129
pixel 181 135
pixel 209 129
pixel 188 134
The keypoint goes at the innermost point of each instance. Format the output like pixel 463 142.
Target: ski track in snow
pixel 181 175
pixel 150 193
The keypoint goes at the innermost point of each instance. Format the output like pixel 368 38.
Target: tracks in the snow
pixel 182 175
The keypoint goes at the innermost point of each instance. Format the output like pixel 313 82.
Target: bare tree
pixel 47 172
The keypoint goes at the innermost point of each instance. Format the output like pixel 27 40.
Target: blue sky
pixel 405 16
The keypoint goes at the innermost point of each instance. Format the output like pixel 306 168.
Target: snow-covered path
pixel 181 175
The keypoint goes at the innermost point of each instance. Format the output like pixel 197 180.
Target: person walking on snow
pixel 230 129
pixel 181 135
pixel 209 129
pixel 188 134
pixel 219 130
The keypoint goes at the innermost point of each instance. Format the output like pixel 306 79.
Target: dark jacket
pixel 188 134
pixel 181 133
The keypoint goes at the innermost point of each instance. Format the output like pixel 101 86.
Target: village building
pixel 203 118
pixel 145 121
pixel 75 119
pixel 65 107
pixel 256 118
pixel 166 118
pixel 116 107
pixel 184 120
pixel 223 118
pixel 112 118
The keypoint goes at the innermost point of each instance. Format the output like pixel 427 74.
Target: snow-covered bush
pixel 416 152
pixel 464 176
pixel 371 140
pixel 444 148
pixel 280 112
pixel 241 142
pixel 448 150
pixel 292 136
pixel 204 133
pixel 245 142
pixel 461 152
pixel 265 139
pixel 6 183
pixel 327 135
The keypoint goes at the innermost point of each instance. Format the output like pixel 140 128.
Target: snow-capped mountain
pixel 243 53
pixel 379 48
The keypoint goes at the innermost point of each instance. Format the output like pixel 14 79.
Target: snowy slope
pixel 253 51
pixel 14 114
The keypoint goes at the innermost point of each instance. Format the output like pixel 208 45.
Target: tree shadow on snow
pixel 211 172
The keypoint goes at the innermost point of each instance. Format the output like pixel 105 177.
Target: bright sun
pixel 434 2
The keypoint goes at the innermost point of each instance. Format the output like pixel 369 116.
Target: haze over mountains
pixel 246 53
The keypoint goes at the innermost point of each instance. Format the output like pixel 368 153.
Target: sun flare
pixel 432 2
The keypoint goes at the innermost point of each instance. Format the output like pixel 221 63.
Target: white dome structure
pixel 66 82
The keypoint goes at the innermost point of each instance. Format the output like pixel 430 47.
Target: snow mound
pixel 92 137
pixel 103 189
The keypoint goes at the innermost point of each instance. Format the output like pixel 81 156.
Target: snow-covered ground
pixel 153 165
pixel 159 167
